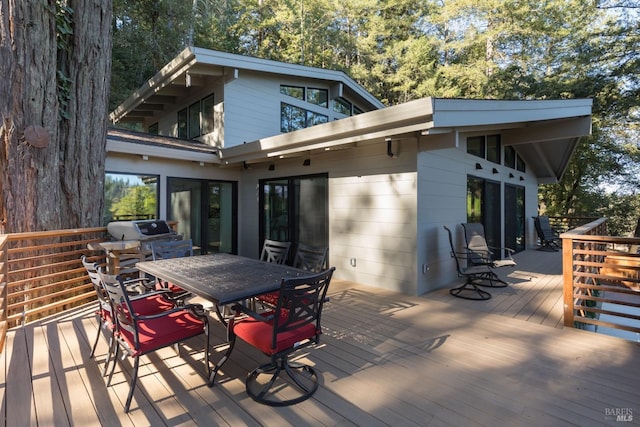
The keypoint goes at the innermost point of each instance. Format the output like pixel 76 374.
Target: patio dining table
pixel 221 278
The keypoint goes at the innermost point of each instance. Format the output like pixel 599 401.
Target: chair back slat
pixel 310 258
pixel 275 251
pixel 172 249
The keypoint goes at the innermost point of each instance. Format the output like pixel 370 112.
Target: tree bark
pixel 60 184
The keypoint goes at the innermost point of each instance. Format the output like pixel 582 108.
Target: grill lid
pixel 139 230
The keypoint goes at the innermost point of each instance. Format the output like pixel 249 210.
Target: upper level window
pixel 513 160
pixel 486 147
pixel 294 118
pixel 318 96
pixel 342 106
pixel 197 119
pixel 295 91
pixel 153 128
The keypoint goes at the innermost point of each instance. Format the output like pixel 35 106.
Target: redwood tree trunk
pixel 53 90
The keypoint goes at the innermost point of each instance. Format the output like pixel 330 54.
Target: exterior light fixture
pixel 494 170
pixel 307 162
pixel 389 148
pixel 522 178
pixel 510 175
pixel 272 167
pixel 478 166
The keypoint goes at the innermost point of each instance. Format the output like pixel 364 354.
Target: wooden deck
pixel 385 359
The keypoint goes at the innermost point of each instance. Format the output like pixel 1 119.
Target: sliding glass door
pixel 295 209
pixel 206 213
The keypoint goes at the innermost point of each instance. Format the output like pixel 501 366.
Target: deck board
pixel 385 359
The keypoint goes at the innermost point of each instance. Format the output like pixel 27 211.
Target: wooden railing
pixel 41 274
pixel 601 279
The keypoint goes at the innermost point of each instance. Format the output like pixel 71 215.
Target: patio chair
pixel 480 253
pixel 310 258
pixel 549 239
pixel 171 249
pixel 143 304
pixel 292 325
pixel 474 275
pixel 275 251
pixel 306 258
pixel 137 335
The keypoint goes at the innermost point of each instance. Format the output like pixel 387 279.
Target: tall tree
pixel 55 63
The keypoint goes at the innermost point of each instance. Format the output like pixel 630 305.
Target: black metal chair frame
pixel 275 251
pixel 549 239
pixel 128 322
pixel 310 258
pixel 479 253
pixel 302 299
pixel 475 275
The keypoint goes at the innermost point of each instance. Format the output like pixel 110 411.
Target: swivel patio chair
pixel 474 275
pixel 293 324
pixel 137 335
pixel 549 239
pixel 308 258
pixel 482 254
pixel 143 304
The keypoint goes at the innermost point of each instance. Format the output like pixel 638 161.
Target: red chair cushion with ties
pixel 270 298
pixel 163 331
pixel 260 334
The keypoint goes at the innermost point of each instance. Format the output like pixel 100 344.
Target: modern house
pixel 241 149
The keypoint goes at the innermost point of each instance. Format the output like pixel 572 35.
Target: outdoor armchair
pixel 474 275
pixel 293 324
pixel 143 304
pixel 549 239
pixel 136 335
pixel 480 253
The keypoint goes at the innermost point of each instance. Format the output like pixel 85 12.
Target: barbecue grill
pixel 132 242
pixel 145 231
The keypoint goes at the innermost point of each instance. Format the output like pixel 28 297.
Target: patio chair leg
pixel 467 291
pixel 134 377
pixel 214 372
pixel 115 361
pixel 112 349
pixel 95 342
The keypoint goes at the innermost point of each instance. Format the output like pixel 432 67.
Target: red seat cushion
pixel 260 334
pixel 164 331
pixel 151 304
pixel 269 298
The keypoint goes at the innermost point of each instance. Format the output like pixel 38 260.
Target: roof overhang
pixel 195 67
pixel 544 133
pixel 146 145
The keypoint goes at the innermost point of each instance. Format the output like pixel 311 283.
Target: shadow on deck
pixel 384 359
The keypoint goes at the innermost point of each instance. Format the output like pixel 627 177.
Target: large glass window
pixel 207 115
pixel 130 197
pixel 342 106
pixel 194 120
pixel 294 91
pixel 198 119
pixel 295 209
pixel 295 118
pixel 483 206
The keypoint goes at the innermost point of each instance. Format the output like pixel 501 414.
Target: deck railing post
pixel 567 273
